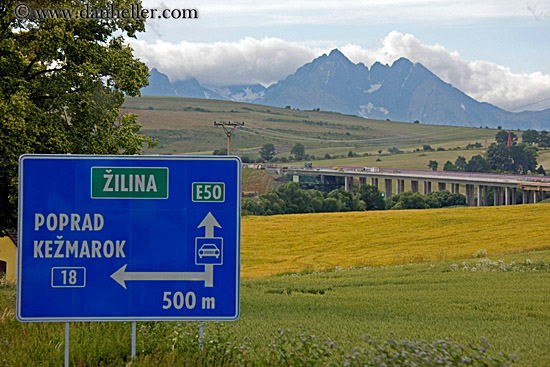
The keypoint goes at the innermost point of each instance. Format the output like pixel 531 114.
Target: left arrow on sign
pixel 121 276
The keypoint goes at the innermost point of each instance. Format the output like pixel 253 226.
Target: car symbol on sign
pixel 209 249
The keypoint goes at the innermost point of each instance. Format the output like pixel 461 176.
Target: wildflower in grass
pixel 486 265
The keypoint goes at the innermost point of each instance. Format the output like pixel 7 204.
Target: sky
pixel 496 51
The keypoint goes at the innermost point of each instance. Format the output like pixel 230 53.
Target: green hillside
pixel 185 125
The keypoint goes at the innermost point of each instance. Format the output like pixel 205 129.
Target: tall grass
pixel 441 313
pixel 292 243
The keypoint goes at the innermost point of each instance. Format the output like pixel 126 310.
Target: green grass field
pixel 421 276
pixel 185 125
pixel 413 160
pixel 505 302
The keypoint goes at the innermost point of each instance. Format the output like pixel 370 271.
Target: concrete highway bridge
pixel 476 185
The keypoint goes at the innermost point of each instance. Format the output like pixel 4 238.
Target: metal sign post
pixel 133 339
pixel 66 364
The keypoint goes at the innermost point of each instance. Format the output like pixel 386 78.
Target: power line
pixel 529 104
pixel 228 128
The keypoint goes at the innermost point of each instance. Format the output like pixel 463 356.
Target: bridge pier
pixel 525 197
pixel 400 186
pixel 514 196
pixel 388 189
pixel 362 181
pixel 348 183
pixel 441 186
pixel 535 197
pixel 470 195
pixel 499 196
pixel 455 188
pixel 427 187
pixel 414 186
pixel 480 195
pixel 507 196
pixel 374 181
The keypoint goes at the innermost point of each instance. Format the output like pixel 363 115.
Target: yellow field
pixel 293 243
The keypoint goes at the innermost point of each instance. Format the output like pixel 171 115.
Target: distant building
pixel 8 250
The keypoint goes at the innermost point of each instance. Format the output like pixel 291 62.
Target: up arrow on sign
pixel 121 275
pixel 209 222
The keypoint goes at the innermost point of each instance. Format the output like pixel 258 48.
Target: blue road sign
pixel 112 238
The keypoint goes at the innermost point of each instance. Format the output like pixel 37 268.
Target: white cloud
pixel 247 61
pixel 270 59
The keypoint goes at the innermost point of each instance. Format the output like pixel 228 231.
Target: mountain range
pixel 404 91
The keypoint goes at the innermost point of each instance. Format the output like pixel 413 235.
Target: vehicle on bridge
pixel 371 169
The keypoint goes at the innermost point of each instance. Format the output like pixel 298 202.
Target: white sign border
pixel 124 158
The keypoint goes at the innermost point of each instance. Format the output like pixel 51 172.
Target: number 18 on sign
pixel 128 238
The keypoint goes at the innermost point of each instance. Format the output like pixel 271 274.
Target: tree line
pixel 289 198
pixel 500 158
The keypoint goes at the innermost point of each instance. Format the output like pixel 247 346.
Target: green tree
pixel 251 207
pixel 499 158
pixel 449 166
pixel 332 205
pixel 477 164
pixel 460 163
pixel 371 197
pixel 530 137
pixel 299 151
pixel 446 198
pixel 524 158
pixel 502 137
pixel 271 204
pixel 395 150
pixel 63 85
pixel 433 165
pixel 345 198
pixel 222 151
pixel 296 200
pixel 407 200
pixel 519 158
pixel 267 152
pixel 544 139
pixel 316 199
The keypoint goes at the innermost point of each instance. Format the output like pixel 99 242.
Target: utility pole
pixel 228 128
